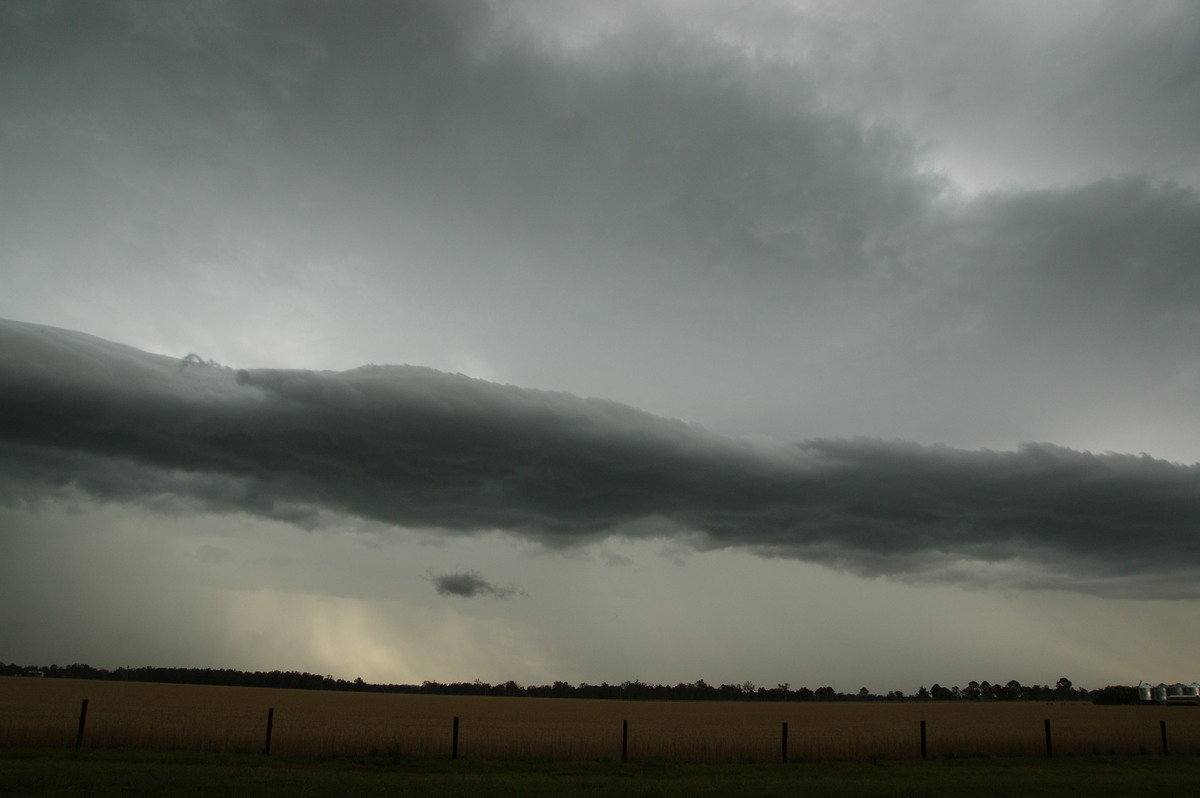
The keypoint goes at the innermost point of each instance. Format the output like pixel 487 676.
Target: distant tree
pixel 1063 690
pixel 1038 692
pixel 781 692
pixel 939 693
pixel 730 692
pixel 636 689
pixel 1011 691
pixel 1115 695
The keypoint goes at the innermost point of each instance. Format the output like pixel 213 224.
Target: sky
pixel 820 343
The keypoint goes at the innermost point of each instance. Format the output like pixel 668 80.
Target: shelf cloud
pixel 414 447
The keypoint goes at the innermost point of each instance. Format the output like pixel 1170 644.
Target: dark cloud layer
pixel 415 447
pixel 420 181
pixel 419 108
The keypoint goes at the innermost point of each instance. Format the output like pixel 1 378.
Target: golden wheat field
pixel 140 715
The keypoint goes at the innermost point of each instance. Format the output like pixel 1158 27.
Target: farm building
pixel 1169 693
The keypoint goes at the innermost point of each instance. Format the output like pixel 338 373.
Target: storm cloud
pixel 445 184
pixel 863 289
pixel 414 447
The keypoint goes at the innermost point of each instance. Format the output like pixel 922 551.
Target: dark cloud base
pixel 415 447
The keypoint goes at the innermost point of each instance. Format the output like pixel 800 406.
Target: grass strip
pixel 101 773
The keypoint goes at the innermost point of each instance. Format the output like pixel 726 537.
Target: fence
pixel 314 722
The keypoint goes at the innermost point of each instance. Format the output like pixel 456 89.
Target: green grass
pixel 101 773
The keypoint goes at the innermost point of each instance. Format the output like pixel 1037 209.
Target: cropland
pixel 46 713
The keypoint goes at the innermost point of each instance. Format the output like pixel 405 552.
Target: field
pixel 130 715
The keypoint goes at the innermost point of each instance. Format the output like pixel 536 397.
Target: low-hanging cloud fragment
pixel 470 584
pixel 415 447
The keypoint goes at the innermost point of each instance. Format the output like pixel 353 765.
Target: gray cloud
pixel 470 584
pixel 406 127
pixel 415 447
pixel 420 182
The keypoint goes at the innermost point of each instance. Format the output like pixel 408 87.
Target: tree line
pixel 1063 689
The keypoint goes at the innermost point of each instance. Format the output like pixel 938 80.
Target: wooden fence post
pixel 624 741
pixel 82 723
pixel 1049 744
pixel 454 740
pixel 785 746
pixel 924 750
pixel 270 726
pixel 1162 728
